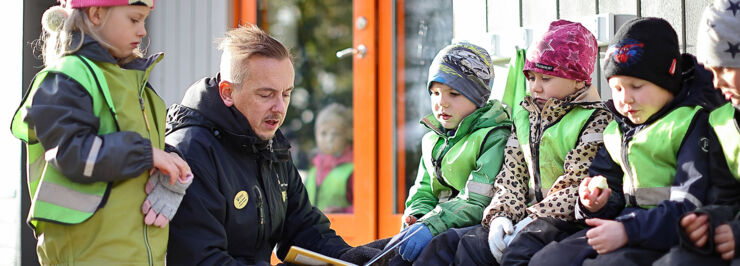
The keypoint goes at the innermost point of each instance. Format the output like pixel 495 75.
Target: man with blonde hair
pixel 247 198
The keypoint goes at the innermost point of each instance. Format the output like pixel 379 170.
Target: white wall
pixel 10 162
pixel 186 31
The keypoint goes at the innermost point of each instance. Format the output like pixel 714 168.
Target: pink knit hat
pixel 567 50
pixel 87 3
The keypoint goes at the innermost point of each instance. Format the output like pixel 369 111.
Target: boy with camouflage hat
pixel 463 151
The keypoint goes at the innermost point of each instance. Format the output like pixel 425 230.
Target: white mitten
pixel 500 226
pixel 163 200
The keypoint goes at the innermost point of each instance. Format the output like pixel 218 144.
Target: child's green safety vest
pixel 455 165
pixel 648 160
pixel 723 122
pixel 55 197
pixel 333 189
pixel 546 155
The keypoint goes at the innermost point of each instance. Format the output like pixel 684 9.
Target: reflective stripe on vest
pixel 725 126
pixel 553 146
pixel 333 189
pixel 456 165
pixel 651 157
pixel 55 197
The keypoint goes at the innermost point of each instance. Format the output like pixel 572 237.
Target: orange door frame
pixel 389 221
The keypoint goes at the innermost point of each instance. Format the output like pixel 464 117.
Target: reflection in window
pixel 329 181
pixel 315 30
pixel 427 28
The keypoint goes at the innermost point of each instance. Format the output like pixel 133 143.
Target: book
pixel 302 256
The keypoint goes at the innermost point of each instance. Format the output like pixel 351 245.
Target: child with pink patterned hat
pixel 557 131
pixel 103 184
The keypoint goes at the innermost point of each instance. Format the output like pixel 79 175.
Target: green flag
pixel 515 82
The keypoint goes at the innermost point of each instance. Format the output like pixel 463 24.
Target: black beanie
pixel 646 48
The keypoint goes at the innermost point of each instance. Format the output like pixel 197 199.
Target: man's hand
pixel 606 236
pixel 696 227
pixel 170 164
pixel 595 199
pixel 725 241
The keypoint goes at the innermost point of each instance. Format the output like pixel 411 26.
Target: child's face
pixel 449 106
pixel 121 27
pixel 727 80
pixel 543 87
pixel 330 136
pixel 637 99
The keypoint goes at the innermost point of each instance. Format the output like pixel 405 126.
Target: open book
pixel 303 256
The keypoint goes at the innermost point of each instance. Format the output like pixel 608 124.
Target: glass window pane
pixel 319 119
pixel 424 28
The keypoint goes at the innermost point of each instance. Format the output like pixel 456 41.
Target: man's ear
pixel 224 89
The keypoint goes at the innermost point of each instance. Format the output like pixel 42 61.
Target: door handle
pixel 360 51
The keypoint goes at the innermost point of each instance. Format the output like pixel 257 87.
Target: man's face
pixel 263 96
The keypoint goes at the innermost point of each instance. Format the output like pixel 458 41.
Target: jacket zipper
pixel 632 198
pixel 148 132
pixel 148 249
pixel 535 147
pixel 437 163
pixel 260 215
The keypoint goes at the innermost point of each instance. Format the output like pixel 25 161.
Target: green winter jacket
pixel 723 122
pixel 88 163
pixel 456 173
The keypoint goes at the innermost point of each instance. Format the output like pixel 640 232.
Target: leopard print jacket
pixel 511 188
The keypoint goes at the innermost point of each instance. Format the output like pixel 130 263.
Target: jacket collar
pixel 491 114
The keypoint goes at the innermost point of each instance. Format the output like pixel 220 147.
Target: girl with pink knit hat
pixel 103 184
pixel 557 131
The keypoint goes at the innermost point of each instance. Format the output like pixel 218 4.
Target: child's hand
pixel 170 164
pixel 725 241
pixel 606 236
pixel 592 200
pixel 696 227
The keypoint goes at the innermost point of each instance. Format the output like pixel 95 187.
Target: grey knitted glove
pixel 163 199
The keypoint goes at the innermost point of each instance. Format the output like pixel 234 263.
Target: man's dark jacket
pixel 226 157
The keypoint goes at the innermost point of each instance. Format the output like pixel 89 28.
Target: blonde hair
pixel 59 24
pixel 243 42
pixel 335 111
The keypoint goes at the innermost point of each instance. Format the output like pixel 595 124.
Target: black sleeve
pixel 605 166
pixel 717 214
pixel 305 225
pixel 62 116
pixel 197 233
pixel 735 226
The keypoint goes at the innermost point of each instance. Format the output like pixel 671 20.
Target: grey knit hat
pixel 718 40
pixel 466 68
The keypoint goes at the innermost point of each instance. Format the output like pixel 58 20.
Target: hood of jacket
pixel 697 88
pixel 202 106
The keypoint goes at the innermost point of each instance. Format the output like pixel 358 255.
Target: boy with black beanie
pixel 655 158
